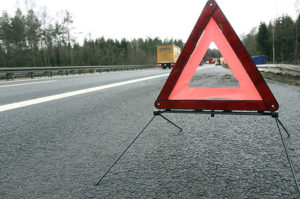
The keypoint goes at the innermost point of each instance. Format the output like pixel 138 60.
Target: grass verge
pixel 284 78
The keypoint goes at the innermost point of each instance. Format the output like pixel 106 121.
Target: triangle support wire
pixel 213 113
pixel 117 160
pixel 286 151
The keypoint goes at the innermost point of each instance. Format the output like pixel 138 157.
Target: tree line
pixel 27 40
pixel 279 40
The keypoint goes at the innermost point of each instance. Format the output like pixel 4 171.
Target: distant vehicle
pixel 222 61
pixel 218 62
pixel 259 60
pixel 167 55
pixel 211 60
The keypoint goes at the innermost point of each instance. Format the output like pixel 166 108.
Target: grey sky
pixel 163 18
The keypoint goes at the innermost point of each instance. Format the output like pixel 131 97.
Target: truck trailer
pixel 167 55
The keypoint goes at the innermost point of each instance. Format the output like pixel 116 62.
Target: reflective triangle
pixel 253 93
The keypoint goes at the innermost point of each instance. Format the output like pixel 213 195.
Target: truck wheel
pixel 164 66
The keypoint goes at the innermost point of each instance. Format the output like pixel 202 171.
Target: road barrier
pixel 280 69
pixel 12 73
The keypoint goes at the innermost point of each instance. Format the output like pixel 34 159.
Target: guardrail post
pixel 32 75
pixel 61 72
pixel 10 76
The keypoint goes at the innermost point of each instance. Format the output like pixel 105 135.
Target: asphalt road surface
pixel 58 136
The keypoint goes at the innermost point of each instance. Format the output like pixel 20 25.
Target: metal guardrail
pixel 280 68
pixel 11 73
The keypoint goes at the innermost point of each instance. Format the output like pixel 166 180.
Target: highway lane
pixel 59 149
pixel 69 87
pixel 15 91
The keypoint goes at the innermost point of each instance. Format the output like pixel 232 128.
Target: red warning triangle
pixel 253 93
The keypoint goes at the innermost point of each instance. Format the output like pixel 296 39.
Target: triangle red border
pixel 268 102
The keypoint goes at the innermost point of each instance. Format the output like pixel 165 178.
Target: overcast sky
pixel 163 18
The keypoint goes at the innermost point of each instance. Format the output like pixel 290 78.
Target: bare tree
pixel 297 7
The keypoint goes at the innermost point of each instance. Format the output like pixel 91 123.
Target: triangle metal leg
pixel 133 143
pixel 287 154
pixel 159 113
pixel 125 151
pixel 171 122
pixel 283 127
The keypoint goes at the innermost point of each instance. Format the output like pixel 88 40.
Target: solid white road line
pixel 24 84
pixel 74 93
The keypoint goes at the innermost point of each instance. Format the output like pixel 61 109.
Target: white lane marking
pixel 24 84
pixel 74 93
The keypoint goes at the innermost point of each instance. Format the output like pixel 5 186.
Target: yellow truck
pixel 167 55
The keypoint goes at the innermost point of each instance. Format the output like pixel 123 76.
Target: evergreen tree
pixel 263 41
